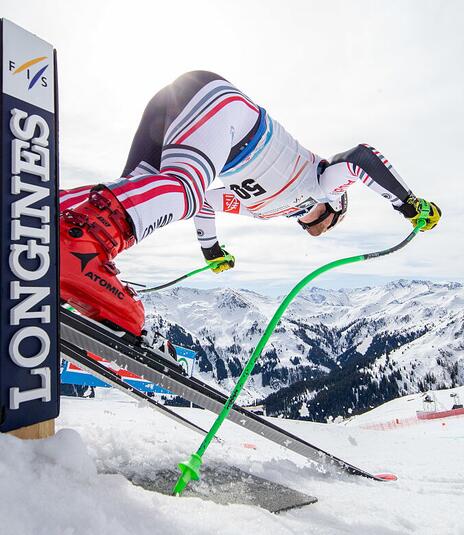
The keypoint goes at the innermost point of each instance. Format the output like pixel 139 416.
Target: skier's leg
pixel 202 117
pixel 145 152
pixel 73 197
pixel 91 235
pixel 199 128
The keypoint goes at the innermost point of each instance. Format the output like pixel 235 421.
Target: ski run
pixel 77 482
pixel 80 332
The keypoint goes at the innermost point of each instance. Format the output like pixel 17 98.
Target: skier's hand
pixel 227 262
pixel 411 209
pixel 217 254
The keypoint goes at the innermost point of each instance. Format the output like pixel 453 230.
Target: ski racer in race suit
pixel 196 129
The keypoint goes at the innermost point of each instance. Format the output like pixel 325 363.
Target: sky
pixel 333 73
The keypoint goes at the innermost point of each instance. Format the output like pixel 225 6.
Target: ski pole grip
pixel 214 265
pixel 424 214
pixel 228 259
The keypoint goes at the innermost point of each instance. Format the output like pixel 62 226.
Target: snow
pixel 58 486
pixel 364 345
pixel 228 323
pixel 405 408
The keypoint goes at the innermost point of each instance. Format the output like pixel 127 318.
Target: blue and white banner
pixel 72 374
pixel 29 357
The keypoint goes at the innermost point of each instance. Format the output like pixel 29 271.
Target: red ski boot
pixel 91 235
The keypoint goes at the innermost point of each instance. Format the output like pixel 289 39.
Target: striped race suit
pixel 201 127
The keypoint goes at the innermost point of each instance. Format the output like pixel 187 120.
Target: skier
pixel 195 129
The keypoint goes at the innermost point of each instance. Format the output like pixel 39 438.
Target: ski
pixel 220 484
pixel 153 366
pixel 79 357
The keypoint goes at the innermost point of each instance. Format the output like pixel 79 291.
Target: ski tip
pixel 386 477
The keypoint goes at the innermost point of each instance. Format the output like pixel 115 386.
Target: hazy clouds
pixel 334 73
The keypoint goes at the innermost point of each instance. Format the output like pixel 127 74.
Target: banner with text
pixel 73 375
pixel 29 357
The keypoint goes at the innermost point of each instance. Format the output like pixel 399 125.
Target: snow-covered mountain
pixel 334 351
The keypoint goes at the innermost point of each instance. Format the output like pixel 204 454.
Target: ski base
pixel 229 485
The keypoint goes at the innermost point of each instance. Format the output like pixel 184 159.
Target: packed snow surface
pixel 63 485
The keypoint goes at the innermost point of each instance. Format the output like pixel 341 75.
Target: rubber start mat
pixel 229 485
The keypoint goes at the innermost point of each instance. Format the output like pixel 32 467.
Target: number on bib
pixel 247 188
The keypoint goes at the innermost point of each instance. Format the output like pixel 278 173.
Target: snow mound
pixel 61 485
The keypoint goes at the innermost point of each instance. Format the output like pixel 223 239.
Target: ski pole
pixel 179 279
pixel 191 469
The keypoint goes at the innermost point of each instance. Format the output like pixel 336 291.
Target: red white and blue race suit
pixel 201 127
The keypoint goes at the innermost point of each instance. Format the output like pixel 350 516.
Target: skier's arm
pixel 368 165
pixel 216 200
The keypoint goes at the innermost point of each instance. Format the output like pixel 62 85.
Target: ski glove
pixel 215 254
pixel 411 210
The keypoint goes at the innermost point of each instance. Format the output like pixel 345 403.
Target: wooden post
pixel 40 430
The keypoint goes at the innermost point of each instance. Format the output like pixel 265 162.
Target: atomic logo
pixel 26 67
pixel 85 258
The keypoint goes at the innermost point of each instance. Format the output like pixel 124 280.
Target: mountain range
pixel 334 352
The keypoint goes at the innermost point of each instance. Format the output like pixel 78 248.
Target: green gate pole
pixel 191 469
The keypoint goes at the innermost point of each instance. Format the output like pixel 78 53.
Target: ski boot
pixel 91 235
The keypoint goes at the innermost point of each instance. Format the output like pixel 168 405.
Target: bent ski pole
pixel 179 279
pixel 191 468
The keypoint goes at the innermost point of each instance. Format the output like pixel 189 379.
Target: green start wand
pixel 191 469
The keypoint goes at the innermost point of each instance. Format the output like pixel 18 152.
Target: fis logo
pixel 29 68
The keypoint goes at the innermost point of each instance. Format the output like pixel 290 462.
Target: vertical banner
pixel 29 356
